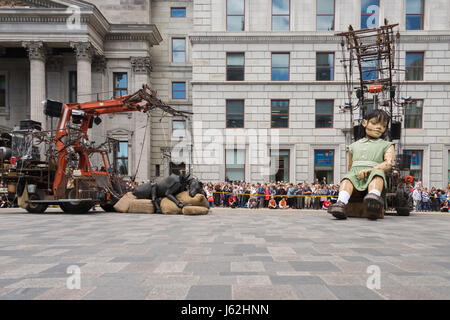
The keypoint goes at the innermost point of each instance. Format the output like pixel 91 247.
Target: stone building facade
pixel 182 49
pixel 309 150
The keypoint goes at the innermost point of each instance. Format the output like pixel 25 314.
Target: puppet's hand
pixel 363 173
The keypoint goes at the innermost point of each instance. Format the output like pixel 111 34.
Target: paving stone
pixel 296 280
pixel 218 292
pixel 117 293
pixel 354 293
pixel 313 292
pixel 314 266
pixel 273 292
pixel 23 293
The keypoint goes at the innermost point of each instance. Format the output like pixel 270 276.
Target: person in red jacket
pixel 266 198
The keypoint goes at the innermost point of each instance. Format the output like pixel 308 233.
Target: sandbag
pixel 195 210
pixel 141 206
pixel 198 200
pixel 169 207
pixel 124 203
pixel 143 191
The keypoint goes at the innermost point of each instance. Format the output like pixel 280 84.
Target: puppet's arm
pixel 388 163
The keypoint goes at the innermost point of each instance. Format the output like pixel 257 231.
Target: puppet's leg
pixel 156 201
pixel 338 209
pixel 373 202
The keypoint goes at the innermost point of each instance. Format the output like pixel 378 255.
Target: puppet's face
pixel 374 128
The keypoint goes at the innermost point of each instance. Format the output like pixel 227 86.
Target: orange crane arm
pixel 143 100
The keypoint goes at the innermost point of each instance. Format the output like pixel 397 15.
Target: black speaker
pixel 53 108
pixel 404 162
pixel 396 130
pixel 359 132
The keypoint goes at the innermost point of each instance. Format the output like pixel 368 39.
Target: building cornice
pixel 313 83
pixel 293 37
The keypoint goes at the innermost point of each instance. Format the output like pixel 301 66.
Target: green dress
pixel 366 154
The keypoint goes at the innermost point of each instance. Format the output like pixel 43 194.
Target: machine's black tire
pixel 36 208
pixel 404 212
pixel 82 207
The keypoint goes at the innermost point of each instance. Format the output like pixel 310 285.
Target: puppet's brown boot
pixel 373 206
pixel 338 210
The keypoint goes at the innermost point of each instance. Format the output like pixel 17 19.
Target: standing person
pixel 426 200
pixel 260 196
pixel 210 198
pixel 267 194
pixel 291 200
pixel 217 195
pixel 434 199
pixel 246 193
pixel 307 192
pixel 226 195
pixel 417 198
pixel 299 199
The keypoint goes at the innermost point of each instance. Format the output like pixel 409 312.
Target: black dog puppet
pixel 169 187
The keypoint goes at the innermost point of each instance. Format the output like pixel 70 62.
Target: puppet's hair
pixel 380 115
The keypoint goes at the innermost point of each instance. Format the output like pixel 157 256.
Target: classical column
pixel 84 52
pixel 37 55
pixel 141 67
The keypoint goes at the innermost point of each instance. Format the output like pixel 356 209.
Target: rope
pixel 142 148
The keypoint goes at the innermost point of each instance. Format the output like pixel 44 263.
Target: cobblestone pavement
pixel 228 254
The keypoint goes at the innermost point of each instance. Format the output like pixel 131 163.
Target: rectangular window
pixel 369 69
pixel 72 86
pixel 324 165
pixel 325 15
pixel 280 66
pixel 178 12
pixel 414 66
pixel 178 50
pixel 279 163
pixel 324 113
pixel 414 14
pixel 369 14
pixel 413 115
pixel 235 66
pixel 325 66
pixel 157 170
pixel 178 128
pixel 178 90
pixel 120 84
pixel 122 158
pixel 281 15
pixel 235 15
pixel 280 114
pixel 416 163
pixel 2 90
pixel 235 113
pixel 235 165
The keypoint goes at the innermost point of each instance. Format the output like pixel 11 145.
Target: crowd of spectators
pixel 280 195
pixel 316 195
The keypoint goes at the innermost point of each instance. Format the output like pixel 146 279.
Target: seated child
pixel 369 158
pixel 272 203
pixel 283 204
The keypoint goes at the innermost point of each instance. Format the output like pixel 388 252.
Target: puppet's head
pixel 376 124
